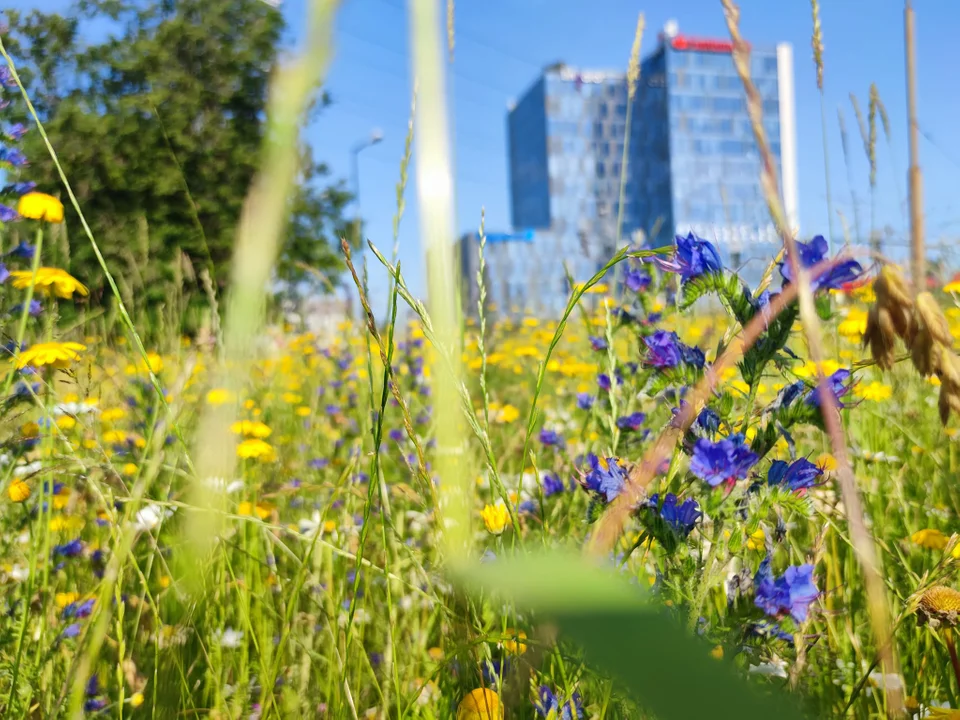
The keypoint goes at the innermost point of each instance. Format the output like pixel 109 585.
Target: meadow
pixel 686 497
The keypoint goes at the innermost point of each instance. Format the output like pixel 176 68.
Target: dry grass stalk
pixel 817 42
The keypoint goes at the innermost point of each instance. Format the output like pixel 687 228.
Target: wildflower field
pixel 684 498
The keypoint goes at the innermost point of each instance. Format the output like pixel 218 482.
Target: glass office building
pixel 691 164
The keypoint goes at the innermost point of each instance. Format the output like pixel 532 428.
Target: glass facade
pixel 692 162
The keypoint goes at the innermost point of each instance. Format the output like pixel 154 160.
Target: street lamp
pixel 375 137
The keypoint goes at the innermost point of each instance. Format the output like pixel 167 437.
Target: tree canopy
pixel 158 126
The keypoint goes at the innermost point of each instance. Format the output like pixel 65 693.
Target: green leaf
pixel 622 631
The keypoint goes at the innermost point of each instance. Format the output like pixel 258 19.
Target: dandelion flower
pixel 930 538
pixel 480 704
pixel 40 206
pixel 218 396
pixel 52 354
pixel 515 645
pixel 255 448
pixel 48 279
pixel 938 605
pixel 251 428
pixel 18 491
pixel 495 518
pixel 952 287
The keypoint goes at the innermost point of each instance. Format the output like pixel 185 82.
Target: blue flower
pixel 791 593
pixel 692 355
pixel 8 214
pixel 12 157
pixel 73 548
pixel 798 475
pixel 708 420
pixel 636 280
pixel 664 349
pixel 681 518
pixel 551 485
pixel 694 257
pixel 633 421
pixel 35 307
pixel 550 438
pixel 603 381
pixel 547 702
pixel 22 250
pixel 598 343
pixel 16 131
pixel 397 435
pixel 18 188
pixel 814 252
pixel 836 384
pixel 71 631
pixel 584 401
pixel 605 477
pixel 721 461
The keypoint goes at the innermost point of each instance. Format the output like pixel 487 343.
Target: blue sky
pixel 501 46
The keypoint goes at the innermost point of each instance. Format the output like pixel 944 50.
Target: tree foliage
pixel 158 125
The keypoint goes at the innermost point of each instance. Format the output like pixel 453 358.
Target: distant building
pixel 691 164
pixel 510 277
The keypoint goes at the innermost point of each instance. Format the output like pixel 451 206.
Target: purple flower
pixel 598 343
pixel 547 704
pixel 318 463
pixel 708 420
pixel 12 157
pixel 605 477
pixel 79 610
pixel 722 461
pixel 636 280
pixel 550 438
pixel 836 384
pixel 664 349
pixel 70 549
pixel 791 593
pixel 35 307
pixel 633 421
pixel 692 355
pixel 4 273
pixel 8 214
pixel 71 631
pixel 681 518
pixel 551 485
pixel 798 475
pixel 603 382
pixel 18 188
pixel 814 252
pixel 397 435
pixel 23 250
pixel 694 257
pixel 584 401
pixel 16 131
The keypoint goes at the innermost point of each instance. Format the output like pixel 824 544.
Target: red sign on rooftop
pixel 686 42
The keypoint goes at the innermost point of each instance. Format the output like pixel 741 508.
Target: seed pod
pixel 880 335
pixel 930 316
pixel 893 295
pixel 925 353
pixel 939 605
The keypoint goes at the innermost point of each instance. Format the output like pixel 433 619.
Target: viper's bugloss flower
pixel 836 384
pixel 74 548
pixel 798 475
pixel 723 460
pixel 550 438
pixel 664 349
pixel 551 484
pixel 815 252
pixel 694 257
pixel 636 280
pixel 8 214
pixel 605 476
pixel 596 342
pixel 547 705
pixel 791 593
pixel 18 188
pixel 584 401
pixel 633 421
pixel 681 517
pixel 708 421
pixel 12 157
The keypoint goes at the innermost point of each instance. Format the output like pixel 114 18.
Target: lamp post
pixel 375 137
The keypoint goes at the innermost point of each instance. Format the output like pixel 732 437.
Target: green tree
pixel 158 126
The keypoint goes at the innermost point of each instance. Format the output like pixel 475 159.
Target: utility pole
pixel 915 179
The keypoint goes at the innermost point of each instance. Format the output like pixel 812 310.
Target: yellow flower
pixel 876 391
pixel 480 704
pixel 515 645
pixel 247 508
pixel 291 398
pixel 950 287
pixel 717 652
pixel 827 462
pixel 930 538
pixel 256 448
pixel 507 414
pixel 251 428
pixel 66 422
pixel 59 282
pixel 303 411
pixel 18 491
pixel 53 354
pixel 854 325
pixel 130 469
pixel 40 206
pixel 495 518
pixel 115 437
pixel 219 396
pixel 136 700
pixel 66 598
pixel 111 414
pixel 756 540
